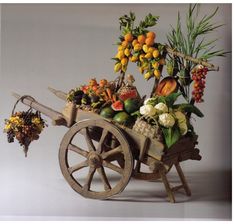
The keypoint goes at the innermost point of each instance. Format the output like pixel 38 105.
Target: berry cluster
pixel 199 78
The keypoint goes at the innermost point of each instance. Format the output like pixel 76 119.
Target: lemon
pixel 145 65
pixel 127 52
pixel 141 57
pixel 145 48
pixel 120 55
pixel 155 64
pixel 151 50
pixel 124 68
pixel 155 53
pixel 157 73
pixel 141 70
pixel 120 48
pixel 148 55
pixel 134 42
pixel 137 47
pixel 134 58
pixel 117 67
pixel 147 75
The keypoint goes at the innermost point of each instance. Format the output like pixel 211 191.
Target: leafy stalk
pixel 193 42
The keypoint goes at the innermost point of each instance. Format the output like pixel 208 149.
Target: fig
pixel 167 86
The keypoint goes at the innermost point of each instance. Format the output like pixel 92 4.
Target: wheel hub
pixel 94 160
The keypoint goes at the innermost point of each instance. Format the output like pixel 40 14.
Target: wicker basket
pixel 148 130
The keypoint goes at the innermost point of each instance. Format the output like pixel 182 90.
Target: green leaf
pixel 171 135
pixel 170 99
pixel 136 113
pixel 189 108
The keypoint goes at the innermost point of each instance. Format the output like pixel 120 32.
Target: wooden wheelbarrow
pixel 110 150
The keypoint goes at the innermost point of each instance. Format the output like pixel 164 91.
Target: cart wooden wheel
pixel 94 158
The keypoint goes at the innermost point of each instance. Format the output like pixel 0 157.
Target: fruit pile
pixel 94 95
pixel 25 127
pixel 143 51
pixel 138 45
pixel 103 99
pixel 121 111
pixel 199 77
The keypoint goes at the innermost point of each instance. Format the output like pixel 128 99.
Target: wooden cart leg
pixel 167 186
pixel 182 178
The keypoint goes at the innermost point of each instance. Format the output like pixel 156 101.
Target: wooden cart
pixel 112 149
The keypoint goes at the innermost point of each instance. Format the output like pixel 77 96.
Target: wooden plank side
pixel 155 148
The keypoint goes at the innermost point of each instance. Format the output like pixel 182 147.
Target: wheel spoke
pixel 77 167
pixel 112 167
pixel 89 178
pixel 104 178
pixel 77 150
pixel 103 136
pixel 112 152
pixel 89 142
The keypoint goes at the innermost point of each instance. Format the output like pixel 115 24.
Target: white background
pixel 63 46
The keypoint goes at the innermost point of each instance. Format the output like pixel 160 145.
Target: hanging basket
pixel 25 126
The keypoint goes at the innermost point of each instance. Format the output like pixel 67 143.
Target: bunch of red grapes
pixel 199 78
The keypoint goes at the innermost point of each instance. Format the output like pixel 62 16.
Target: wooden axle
pixel 57 118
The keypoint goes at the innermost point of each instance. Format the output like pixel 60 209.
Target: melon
pixel 107 112
pixel 117 106
pixel 131 105
pixel 128 94
pixel 123 118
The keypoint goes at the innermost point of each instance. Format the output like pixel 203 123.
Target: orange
pixel 128 37
pixel 141 39
pixel 149 41
pixel 124 43
pixel 151 35
pixel 124 61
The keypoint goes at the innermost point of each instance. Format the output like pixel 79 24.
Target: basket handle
pixel 149 117
pixel 21 99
